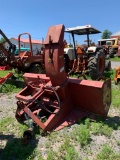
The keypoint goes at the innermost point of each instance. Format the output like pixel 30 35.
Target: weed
pixel 51 155
pixel 4 123
pixel 48 144
pixel 53 136
pixel 107 153
pixel 101 127
pixel 95 127
pixel 87 122
pixel 67 151
pixel 105 130
pixel 118 143
pixel 83 135
pixel 39 157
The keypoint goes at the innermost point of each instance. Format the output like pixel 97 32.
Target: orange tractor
pixel 117 75
pixel 117 71
pixel 25 61
pixel 54 100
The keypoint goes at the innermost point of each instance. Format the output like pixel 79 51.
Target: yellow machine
pixel 112 44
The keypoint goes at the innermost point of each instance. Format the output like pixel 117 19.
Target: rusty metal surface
pixel 57 98
pixel 90 95
pixel 54 55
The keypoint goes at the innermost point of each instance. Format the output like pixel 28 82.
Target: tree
pixel 106 34
pixel 2 40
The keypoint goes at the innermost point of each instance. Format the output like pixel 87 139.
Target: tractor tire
pixel 66 62
pixel 36 68
pixel 96 65
pixel 107 65
pixel 111 52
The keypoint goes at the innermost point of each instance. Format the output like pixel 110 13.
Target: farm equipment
pixel 6 67
pixel 117 75
pixel 5 78
pixel 25 61
pixel 118 49
pixel 54 100
pixel 94 60
pixel 111 45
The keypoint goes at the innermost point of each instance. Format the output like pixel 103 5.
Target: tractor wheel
pixel 111 52
pixel 107 65
pixel 96 65
pixel 36 68
pixel 66 62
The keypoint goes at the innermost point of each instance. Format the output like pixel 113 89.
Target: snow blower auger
pixel 53 100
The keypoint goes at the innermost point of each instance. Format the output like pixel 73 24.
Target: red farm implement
pixel 24 61
pixel 53 100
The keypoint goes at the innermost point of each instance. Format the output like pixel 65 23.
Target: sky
pixel 36 16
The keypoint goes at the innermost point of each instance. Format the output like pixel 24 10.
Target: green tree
pixel 2 40
pixel 106 34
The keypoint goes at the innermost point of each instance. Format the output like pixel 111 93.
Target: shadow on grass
pixel 112 122
pixel 109 74
pixel 15 149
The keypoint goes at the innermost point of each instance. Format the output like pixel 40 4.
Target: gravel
pixel 8 108
pixel 115 64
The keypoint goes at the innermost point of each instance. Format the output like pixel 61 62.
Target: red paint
pixel 68 99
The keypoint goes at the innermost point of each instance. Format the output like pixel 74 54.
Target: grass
pixel 4 124
pixel 116 96
pixel 107 74
pixel 8 88
pixel 101 129
pixel 69 151
pixel 3 73
pixel 80 137
pixel 19 152
pixel 71 144
pixel 83 134
pixel 115 59
pixel 107 153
